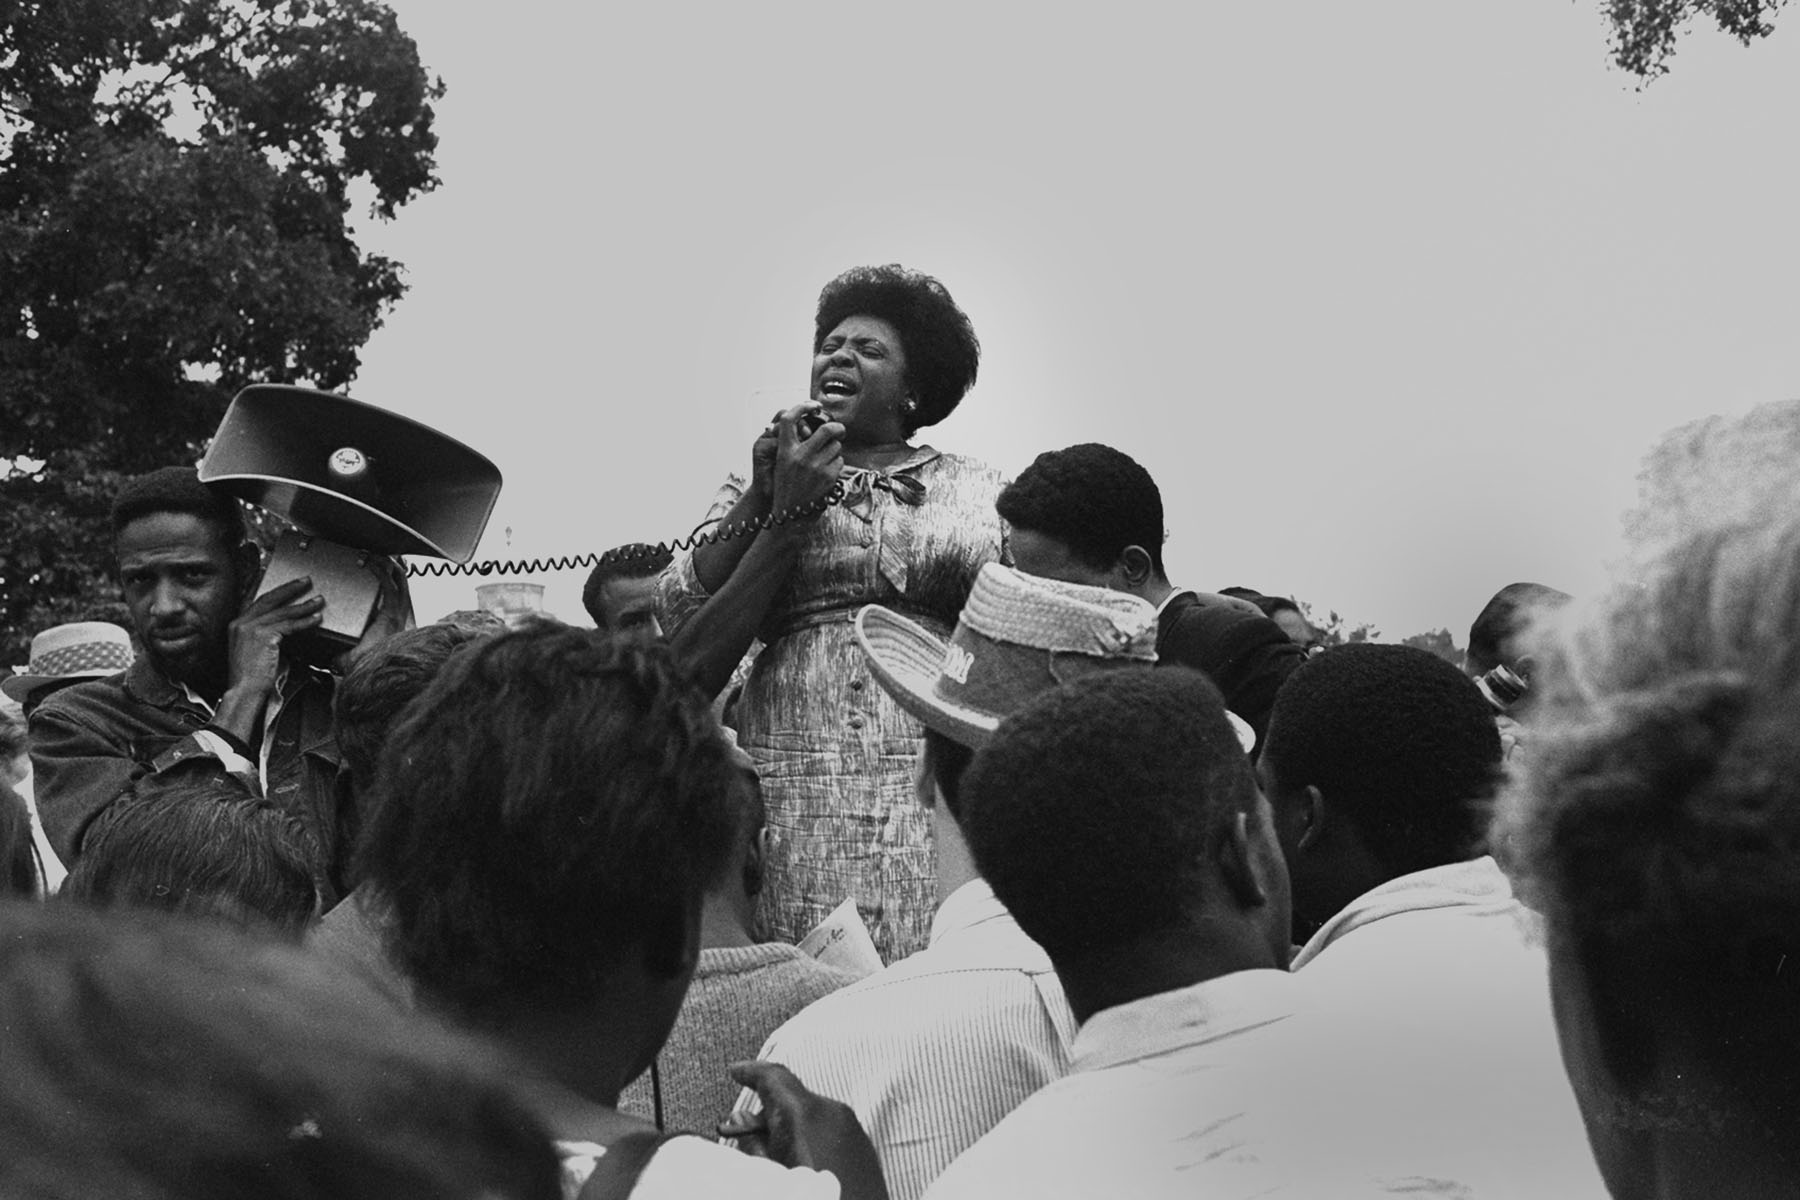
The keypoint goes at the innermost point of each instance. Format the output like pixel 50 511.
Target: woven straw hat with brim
pixel 65 654
pixel 1018 635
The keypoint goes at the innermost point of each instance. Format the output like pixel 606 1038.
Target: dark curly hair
pixel 1094 807
pixel 556 800
pixel 1401 741
pixel 178 489
pixel 1094 499
pixel 1656 821
pixel 942 353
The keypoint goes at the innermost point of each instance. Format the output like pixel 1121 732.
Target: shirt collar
pixel 1155 1025
pixel 1170 598
pixel 972 904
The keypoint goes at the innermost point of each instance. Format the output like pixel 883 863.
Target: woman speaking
pixel 848 511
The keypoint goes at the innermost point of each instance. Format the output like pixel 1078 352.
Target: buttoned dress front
pixel 835 753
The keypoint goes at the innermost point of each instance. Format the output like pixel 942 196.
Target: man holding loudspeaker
pixel 216 691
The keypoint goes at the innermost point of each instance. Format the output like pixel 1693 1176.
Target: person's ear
pixel 1310 815
pixel 1238 864
pixel 755 855
pixel 1135 566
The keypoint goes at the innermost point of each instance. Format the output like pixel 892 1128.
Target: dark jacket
pixel 89 741
pixel 1246 655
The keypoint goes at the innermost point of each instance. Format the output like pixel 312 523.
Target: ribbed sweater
pixel 739 996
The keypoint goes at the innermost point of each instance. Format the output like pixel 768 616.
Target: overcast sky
pixel 1389 297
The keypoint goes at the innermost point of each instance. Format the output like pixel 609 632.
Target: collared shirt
pixel 1182 1094
pixel 933 1051
pixel 1434 1011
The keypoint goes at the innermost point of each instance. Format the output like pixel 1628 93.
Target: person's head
pixel 1379 762
pixel 1018 635
pixel 1119 813
pixel 1089 514
pixel 620 593
pixel 67 654
pixel 892 353
pixel 155 1057
pixel 1497 638
pixel 204 849
pixel 382 682
pixel 1286 613
pixel 547 818
pixel 1656 825
pixel 185 568
pixel 368 701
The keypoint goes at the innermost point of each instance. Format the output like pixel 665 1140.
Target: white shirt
pixel 933 1051
pixel 1434 1010
pixel 686 1167
pixel 1189 1093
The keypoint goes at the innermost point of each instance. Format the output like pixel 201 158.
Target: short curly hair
pixel 942 353
pixel 1094 499
pixel 556 800
pixel 1400 741
pixel 1094 807
pixel 1656 820
pixel 178 489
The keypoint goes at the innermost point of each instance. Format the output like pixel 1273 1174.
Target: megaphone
pixel 357 482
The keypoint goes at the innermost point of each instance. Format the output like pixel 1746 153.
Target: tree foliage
pixel 1334 630
pixel 1644 31
pixel 1439 642
pixel 176 187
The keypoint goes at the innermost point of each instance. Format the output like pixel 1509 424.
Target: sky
pixel 1390 298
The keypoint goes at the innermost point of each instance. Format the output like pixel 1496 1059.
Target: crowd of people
pixel 1157 896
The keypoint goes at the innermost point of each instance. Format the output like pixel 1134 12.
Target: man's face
pixel 183 588
pixel 1039 554
pixel 630 605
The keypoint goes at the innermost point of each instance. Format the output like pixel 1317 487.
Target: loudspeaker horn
pixel 352 473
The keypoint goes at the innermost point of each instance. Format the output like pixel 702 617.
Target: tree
pixel 175 191
pixel 1439 642
pixel 1333 630
pixel 1644 31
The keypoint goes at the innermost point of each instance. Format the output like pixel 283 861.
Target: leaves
pixel 1644 31
pixel 174 224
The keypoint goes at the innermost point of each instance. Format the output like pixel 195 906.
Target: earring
pixel 909 407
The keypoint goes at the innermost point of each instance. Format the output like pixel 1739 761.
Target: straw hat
pixel 70 653
pixel 1018 635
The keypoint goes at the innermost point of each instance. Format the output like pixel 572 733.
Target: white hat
pixel 1017 636
pixel 70 653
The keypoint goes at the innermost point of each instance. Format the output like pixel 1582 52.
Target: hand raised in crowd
pixel 790 469
pixel 393 610
pixel 800 1128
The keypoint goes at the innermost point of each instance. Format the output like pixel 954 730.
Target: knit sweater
pixel 739 996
